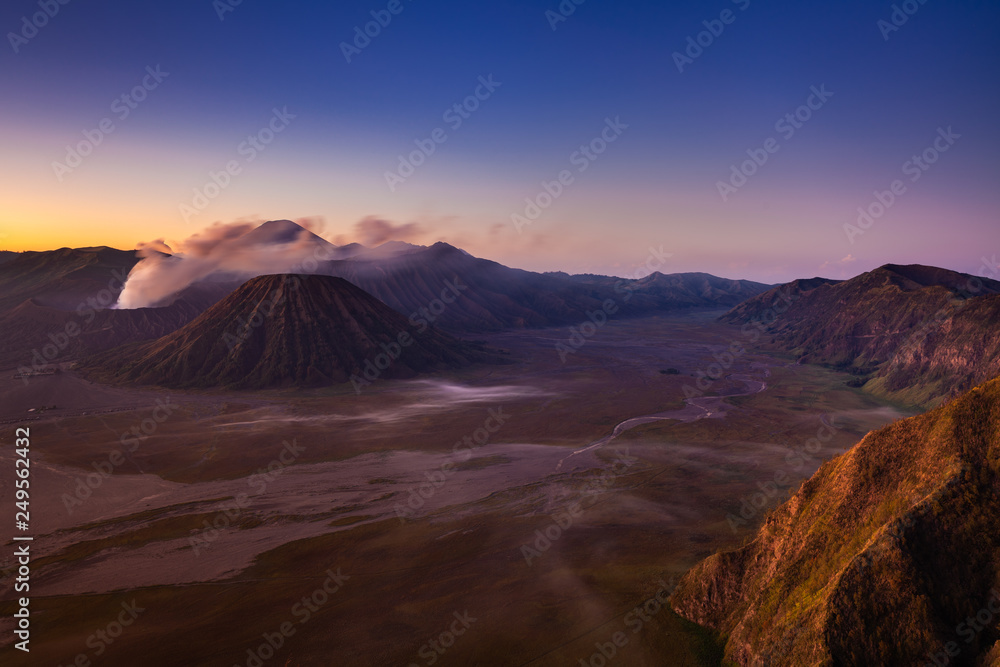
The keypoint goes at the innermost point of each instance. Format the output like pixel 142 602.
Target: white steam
pixel 281 247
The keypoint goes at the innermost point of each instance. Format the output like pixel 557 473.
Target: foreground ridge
pixel 888 555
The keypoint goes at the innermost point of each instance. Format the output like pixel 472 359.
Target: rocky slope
pixel 64 278
pixel 36 335
pixel 56 305
pixel 493 297
pixel 913 333
pixel 957 350
pixel 880 558
pixel 277 331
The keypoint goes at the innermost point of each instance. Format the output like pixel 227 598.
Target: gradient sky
pixel 656 186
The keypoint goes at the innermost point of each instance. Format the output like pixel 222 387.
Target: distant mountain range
pixel 64 279
pixel 494 297
pixel 886 556
pixel 678 290
pixel 916 334
pixel 278 331
pixel 46 294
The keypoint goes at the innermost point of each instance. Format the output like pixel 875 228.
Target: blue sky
pixel 656 185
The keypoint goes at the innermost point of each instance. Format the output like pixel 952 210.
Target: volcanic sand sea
pixel 605 447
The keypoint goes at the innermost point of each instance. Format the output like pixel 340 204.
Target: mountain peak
pixel 867 324
pixel 441 246
pixel 389 249
pixel 285 330
pixel 919 276
pixel 859 566
pixel 281 232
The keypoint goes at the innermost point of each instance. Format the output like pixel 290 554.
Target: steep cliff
pixel 888 555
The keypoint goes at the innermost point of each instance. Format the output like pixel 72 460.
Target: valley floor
pixel 536 513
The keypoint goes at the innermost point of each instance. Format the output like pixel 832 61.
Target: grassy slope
pixel 879 555
pixel 916 335
pixel 958 352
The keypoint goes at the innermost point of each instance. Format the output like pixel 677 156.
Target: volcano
pixel 284 331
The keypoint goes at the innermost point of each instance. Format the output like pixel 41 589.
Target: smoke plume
pixel 373 231
pixel 240 248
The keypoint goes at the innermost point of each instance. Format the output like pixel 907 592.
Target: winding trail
pixel 707 406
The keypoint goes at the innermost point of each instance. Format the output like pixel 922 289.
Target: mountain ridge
pixel 286 331
pixel 864 324
pixel 856 568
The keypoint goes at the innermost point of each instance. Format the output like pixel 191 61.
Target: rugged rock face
pixel 761 307
pixel 959 349
pixel 888 555
pixel 35 335
pixel 899 328
pixel 289 330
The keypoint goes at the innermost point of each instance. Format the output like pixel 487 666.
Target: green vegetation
pixel 881 552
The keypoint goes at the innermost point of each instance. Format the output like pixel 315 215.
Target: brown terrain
pixel 914 334
pixel 156 530
pixel 888 555
pixel 287 330
pixel 530 498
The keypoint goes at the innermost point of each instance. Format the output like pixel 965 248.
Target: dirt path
pixel 707 406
